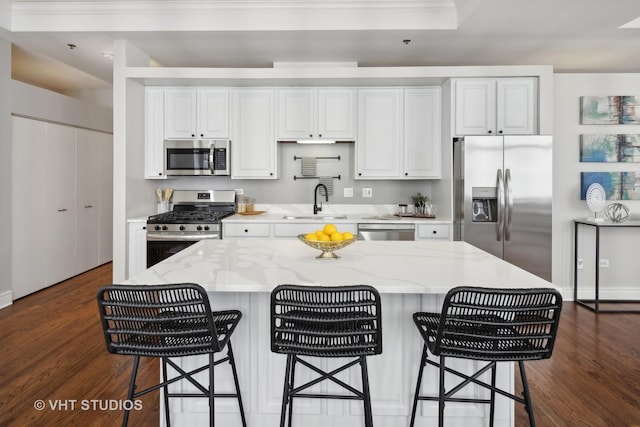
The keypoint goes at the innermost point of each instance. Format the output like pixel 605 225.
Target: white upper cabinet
pixel 505 106
pixel 326 113
pixel 398 133
pixel 154 133
pixel 422 133
pixel 379 144
pixel 253 145
pixel 196 113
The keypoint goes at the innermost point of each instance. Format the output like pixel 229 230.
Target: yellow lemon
pixel 346 235
pixel 319 232
pixel 324 238
pixel 330 229
pixel 311 236
pixel 336 236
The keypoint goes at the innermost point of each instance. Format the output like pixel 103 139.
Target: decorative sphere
pixel 617 212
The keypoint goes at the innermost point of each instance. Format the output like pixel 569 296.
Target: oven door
pixel 161 247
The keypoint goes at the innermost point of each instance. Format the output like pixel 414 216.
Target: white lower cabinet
pixel 245 230
pixel 137 247
pixel 61 201
pixel 434 231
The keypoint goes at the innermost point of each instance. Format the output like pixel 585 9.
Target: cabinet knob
pixel 406 174
pixel 202 135
pixel 144 228
pixel 271 173
pixel 193 135
pixel 310 135
pixel 359 174
pixel 490 131
pixel 434 232
pixel 246 230
pixel 320 135
pixel 499 131
pixel 159 173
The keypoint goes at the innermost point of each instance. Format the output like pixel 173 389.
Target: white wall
pixel 566 176
pixel 5 170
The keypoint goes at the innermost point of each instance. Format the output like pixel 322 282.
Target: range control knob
pixel 157 227
pixel 206 228
pixel 199 228
pixel 165 228
pixel 182 228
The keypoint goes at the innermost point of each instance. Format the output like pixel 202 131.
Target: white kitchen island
pixel 410 276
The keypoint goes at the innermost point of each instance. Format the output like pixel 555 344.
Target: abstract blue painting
pixel 609 110
pixel 617 185
pixel 610 148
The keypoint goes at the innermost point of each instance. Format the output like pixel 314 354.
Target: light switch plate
pixel 348 192
pixel 367 192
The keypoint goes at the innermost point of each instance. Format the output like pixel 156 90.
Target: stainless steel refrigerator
pixel 502 198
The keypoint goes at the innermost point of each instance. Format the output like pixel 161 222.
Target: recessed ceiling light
pixel 71 46
pixel 108 55
pixel 406 41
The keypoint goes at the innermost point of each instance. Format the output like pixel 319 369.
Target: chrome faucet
pixel 317 208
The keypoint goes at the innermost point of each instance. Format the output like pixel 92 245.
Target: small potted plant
pixel 420 203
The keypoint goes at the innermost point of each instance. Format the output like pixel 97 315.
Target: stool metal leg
pixel 423 362
pixel 492 410
pixel 232 361
pixel 165 391
pixel 287 389
pixel 527 395
pixel 132 389
pixel 368 413
pixel 212 421
pixel 292 385
pixel 441 393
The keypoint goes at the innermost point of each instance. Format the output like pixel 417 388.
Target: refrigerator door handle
pixel 500 219
pixel 508 204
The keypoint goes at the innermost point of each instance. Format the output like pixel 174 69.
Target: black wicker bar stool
pixel 320 321
pixel 491 325
pixel 168 321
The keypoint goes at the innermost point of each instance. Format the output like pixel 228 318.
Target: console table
pixel 596 303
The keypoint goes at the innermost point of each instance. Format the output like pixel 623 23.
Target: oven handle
pixel 181 237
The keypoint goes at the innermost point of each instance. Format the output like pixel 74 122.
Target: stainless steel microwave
pixel 197 157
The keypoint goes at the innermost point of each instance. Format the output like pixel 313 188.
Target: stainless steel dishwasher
pixel 375 231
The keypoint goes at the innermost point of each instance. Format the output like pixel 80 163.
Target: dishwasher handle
pixel 382 227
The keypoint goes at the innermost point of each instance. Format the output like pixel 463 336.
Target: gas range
pixel 196 216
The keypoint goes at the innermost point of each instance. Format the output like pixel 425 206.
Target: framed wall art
pixel 609 110
pixel 617 185
pixel 610 148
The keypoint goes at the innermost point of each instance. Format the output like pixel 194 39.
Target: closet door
pixel 60 203
pixel 28 206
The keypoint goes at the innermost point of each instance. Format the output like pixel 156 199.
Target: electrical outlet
pixel 348 192
pixel 580 264
pixel 367 192
pixel 604 262
pixel 239 191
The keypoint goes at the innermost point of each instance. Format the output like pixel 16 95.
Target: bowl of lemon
pixel 328 239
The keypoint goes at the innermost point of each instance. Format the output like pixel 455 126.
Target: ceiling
pixel 577 36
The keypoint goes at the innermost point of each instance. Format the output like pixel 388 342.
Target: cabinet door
pixel 336 114
pixel 379 144
pixel 296 114
pixel 28 206
pixel 422 133
pixel 516 106
pixel 253 153
pixel 88 167
pixel 213 113
pixel 60 202
pixel 180 120
pixel 137 248
pixel 475 111
pixel 154 134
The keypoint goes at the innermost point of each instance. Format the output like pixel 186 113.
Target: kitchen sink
pixel 316 217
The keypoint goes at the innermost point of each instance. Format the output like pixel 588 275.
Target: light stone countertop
pixel 354 213
pixel 259 265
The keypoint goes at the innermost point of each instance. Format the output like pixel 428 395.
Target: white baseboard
pixel 6 299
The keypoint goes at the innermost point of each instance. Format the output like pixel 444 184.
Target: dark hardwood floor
pixel 52 349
